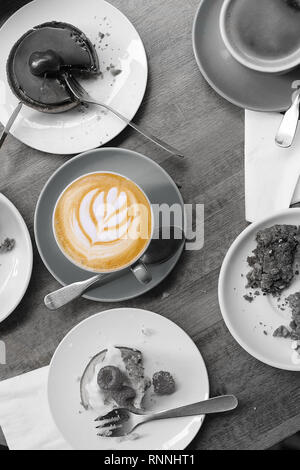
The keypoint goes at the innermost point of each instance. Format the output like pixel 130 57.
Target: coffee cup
pixel 103 223
pixel 262 35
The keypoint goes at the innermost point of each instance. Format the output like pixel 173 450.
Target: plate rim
pixel 124 126
pixel 128 309
pixel 70 162
pixel 26 234
pixel 210 81
pixel 221 283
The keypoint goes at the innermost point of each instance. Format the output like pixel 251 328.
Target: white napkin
pixel 271 172
pixel 25 416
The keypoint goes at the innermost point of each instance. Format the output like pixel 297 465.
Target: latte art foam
pixel 103 222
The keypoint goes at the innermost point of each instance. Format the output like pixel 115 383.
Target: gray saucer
pixel 156 183
pixel 239 85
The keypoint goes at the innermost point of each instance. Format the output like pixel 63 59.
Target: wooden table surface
pixel 183 109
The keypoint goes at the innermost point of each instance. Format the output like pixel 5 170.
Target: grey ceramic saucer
pixel 239 85
pixel 156 183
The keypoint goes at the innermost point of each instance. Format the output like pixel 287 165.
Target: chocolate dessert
pixel 273 259
pixel 294 331
pixel 114 378
pixel 7 245
pixel 37 61
pixel 163 383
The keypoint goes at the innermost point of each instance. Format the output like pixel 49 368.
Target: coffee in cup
pixel 103 222
pixel 262 34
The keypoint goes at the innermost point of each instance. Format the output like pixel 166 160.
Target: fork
pixel 121 422
pixel 84 97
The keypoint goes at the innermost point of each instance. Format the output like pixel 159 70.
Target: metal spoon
pixel 160 250
pixel 288 127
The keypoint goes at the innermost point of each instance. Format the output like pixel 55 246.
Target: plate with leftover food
pixel 15 257
pixel 147 363
pixel 259 290
pixel 97 43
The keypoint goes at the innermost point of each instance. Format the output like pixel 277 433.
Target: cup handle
pixel 141 272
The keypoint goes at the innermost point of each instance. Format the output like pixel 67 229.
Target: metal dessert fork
pixel 84 97
pixel 121 421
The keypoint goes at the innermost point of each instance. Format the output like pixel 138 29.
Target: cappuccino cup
pixel 103 223
pixel 262 35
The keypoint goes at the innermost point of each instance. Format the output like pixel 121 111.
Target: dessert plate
pixel 239 85
pixel 16 265
pixel 164 345
pixel 122 84
pixel 253 324
pixel 154 181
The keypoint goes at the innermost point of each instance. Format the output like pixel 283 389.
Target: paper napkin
pixel 25 416
pixel 271 172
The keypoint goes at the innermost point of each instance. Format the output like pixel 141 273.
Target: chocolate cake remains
pixel 163 383
pixel 273 259
pixel 294 331
pixel 295 4
pixel 38 59
pixel 7 245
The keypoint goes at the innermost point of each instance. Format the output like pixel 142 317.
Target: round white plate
pixel 80 129
pixel 253 324
pixel 165 347
pixel 15 266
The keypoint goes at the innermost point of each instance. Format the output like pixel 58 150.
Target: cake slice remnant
pixel 273 258
pixel 293 332
pixel 7 245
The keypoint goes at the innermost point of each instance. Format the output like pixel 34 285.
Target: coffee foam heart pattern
pixel 104 217
pixel 103 222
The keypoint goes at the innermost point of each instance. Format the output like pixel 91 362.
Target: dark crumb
pixel 282 332
pixel 297 272
pixel 265 333
pixel 115 72
pixel 248 298
pixel 163 383
pixel 294 304
pixel 273 258
pixel 7 245
pixel 242 275
pixel 295 4
pixel 257 293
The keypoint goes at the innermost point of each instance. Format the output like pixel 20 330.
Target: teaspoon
pixel 160 250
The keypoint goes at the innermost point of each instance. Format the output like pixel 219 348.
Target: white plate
pixel 15 266
pixel 166 348
pixel 250 322
pixel 80 129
